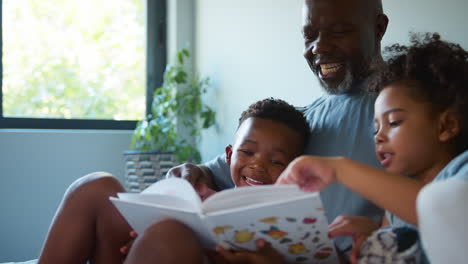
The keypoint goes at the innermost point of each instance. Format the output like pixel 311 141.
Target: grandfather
pixel 342 47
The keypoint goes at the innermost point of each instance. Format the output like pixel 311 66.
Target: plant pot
pixel 145 168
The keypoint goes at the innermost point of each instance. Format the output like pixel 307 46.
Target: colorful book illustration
pixel 293 221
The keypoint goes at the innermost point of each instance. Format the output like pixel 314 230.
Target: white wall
pixel 253 50
pixel 446 17
pixel 36 167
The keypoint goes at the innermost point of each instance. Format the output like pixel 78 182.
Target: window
pixel 80 64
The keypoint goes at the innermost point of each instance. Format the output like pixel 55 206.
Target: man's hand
pixel 197 175
pixel 358 227
pixel 309 172
pixel 203 191
pixel 265 254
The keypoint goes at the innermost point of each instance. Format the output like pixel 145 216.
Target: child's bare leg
pixel 87 226
pixel 168 242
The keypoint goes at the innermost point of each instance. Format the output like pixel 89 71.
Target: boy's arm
pixel 395 193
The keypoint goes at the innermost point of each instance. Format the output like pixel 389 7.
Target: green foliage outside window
pixel 81 59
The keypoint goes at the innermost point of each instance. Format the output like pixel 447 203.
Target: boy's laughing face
pixel 261 151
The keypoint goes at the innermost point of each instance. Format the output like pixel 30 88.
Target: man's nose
pixel 322 44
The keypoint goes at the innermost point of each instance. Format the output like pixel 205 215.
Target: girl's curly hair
pixel 436 72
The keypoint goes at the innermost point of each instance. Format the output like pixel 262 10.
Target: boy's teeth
pixel 330 68
pixel 251 181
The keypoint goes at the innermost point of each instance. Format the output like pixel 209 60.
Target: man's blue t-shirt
pixel 341 125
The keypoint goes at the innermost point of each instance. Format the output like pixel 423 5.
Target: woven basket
pixel 145 168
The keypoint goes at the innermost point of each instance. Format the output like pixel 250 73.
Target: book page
pixel 163 201
pixel 175 187
pixel 142 215
pixel 246 196
pixel 169 193
pixel 297 228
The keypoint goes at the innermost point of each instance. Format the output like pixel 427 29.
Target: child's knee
pixel 163 242
pixel 97 183
pixel 171 232
pixel 168 227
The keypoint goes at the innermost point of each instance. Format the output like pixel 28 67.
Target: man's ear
pixel 449 125
pixel 228 154
pixel 381 26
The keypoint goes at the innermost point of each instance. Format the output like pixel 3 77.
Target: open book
pixel 292 221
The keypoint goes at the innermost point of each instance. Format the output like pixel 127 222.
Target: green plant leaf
pixel 179 98
pixel 180 58
pixel 180 77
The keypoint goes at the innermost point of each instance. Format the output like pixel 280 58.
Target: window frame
pixel 156 21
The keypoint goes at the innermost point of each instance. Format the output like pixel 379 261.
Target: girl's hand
pixel 265 254
pixel 125 249
pixel 358 227
pixel 309 172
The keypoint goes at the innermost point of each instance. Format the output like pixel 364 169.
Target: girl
pixel 420 136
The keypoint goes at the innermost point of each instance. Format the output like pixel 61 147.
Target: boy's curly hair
pixel 278 110
pixel 436 72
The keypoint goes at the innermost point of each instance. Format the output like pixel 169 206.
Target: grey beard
pixel 352 83
pixel 344 87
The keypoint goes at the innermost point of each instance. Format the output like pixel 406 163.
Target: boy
pixel 87 227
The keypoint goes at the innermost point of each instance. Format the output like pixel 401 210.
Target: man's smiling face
pixel 340 42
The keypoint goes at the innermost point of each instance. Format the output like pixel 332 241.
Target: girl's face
pixel 261 151
pixel 406 133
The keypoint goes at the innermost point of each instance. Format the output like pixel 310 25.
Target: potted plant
pixel 177 109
